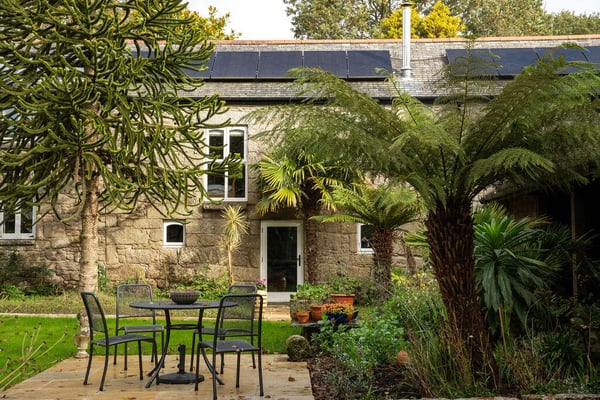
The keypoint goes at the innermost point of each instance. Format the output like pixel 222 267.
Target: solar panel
pixel 364 63
pixel 332 61
pixel 481 62
pixel 205 74
pixel 593 55
pixel 275 64
pixel 512 61
pixel 569 54
pixel 235 65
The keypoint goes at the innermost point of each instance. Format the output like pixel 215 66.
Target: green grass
pixel 31 344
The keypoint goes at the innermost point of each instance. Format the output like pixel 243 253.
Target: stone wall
pixel 131 244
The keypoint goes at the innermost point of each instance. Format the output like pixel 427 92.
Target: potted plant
pixel 303 316
pixel 338 312
pixel 342 290
pixel 308 295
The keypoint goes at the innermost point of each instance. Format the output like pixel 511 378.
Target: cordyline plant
pixel 542 128
pixel 95 100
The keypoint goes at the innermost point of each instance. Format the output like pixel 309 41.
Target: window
pixel 18 225
pixel 173 234
pixel 364 233
pixel 228 142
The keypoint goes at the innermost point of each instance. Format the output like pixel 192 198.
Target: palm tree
pixel 541 129
pixel 289 178
pixel 386 208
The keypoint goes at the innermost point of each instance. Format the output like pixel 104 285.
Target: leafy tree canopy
pixel 96 101
pixel 211 27
pixel 320 19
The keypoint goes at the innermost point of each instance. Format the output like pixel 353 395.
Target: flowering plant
pixel 338 308
pixel 261 284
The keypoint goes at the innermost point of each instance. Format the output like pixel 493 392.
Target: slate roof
pixel 428 56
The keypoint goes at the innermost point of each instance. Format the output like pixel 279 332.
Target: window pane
pixel 216 186
pixel 175 233
pixel 10 223
pixel 237 185
pixel 236 145
pixel 27 220
pixel 366 235
pixel 216 143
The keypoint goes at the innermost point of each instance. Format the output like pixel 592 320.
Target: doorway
pixel 281 258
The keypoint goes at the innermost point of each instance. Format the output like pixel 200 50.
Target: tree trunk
pixel 88 264
pixel 311 206
pixel 450 237
pixel 382 264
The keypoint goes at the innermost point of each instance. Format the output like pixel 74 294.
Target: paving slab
pixel 64 381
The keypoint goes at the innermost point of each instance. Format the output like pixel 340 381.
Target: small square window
pixel 174 234
pixel 364 234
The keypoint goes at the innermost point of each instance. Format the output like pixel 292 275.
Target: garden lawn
pixel 31 344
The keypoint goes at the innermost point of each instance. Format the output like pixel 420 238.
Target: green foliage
pixel 567 23
pixel 19 277
pixel 509 264
pixel 90 100
pixel 209 287
pixel 235 225
pixel 30 345
pixel 439 23
pixel 320 19
pixel 211 27
pixel 308 291
pixel 103 280
pixel 357 352
pixel 386 208
pixel 330 19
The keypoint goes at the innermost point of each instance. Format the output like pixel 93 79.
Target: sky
pixel 266 19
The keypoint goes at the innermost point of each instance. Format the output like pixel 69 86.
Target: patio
pixel 282 380
pixel 64 381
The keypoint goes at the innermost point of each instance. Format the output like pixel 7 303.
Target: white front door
pixel 281 258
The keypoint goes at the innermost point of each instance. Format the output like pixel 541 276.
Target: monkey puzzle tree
pixel 95 99
pixel 541 129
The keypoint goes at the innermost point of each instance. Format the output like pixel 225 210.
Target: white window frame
pixel 227 133
pixel 18 234
pixel 166 225
pixel 359 243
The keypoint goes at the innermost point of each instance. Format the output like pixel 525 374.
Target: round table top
pixel 171 305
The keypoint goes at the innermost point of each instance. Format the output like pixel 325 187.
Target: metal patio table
pixel 180 376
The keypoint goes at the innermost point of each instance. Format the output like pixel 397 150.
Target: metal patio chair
pixel 241 316
pixel 223 332
pixel 126 294
pixel 100 336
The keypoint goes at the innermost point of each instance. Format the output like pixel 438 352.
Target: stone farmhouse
pixel 145 246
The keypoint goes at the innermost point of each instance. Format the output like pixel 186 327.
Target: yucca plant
pixel 510 264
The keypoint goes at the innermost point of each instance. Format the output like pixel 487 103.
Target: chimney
pixel 406 9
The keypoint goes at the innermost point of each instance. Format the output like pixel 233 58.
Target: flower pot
pixel 337 318
pixel 316 312
pixel 342 298
pixel 82 341
pixel 303 317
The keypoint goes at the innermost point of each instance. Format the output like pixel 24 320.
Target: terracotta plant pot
pixel 342 298
pixel 316 312
pixel 303 317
